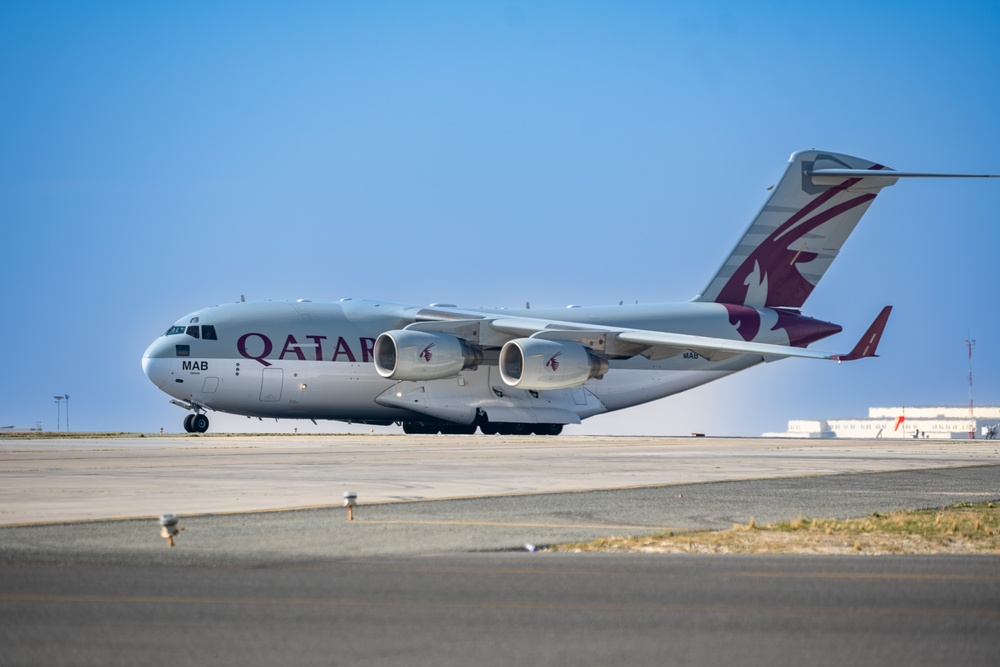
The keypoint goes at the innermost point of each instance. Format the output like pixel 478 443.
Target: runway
pixel 85 479
pixel 434 568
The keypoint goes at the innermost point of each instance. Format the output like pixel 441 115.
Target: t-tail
pixel 801 229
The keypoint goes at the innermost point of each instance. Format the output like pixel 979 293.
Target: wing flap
pixel 670 344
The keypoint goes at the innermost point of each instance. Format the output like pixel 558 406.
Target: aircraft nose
pixel 155 364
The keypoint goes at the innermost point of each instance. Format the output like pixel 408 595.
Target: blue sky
pixel 157 157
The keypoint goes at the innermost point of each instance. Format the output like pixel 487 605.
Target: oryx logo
pixel 553 362
pixel 425 353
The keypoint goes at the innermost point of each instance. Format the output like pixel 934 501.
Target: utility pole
pixel 58 412
pixel 59 400
pixel 970 343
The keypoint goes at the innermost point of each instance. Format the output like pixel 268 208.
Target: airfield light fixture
pixel 170 528
pixel 350 502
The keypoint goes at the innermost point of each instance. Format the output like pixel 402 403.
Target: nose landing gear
pixel 196 423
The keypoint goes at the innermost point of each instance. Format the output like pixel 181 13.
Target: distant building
pixel 15 429
pixel 936 423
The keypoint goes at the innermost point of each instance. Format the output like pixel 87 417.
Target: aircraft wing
pixel 616 342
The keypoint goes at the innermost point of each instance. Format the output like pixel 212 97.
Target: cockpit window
pixel 207 331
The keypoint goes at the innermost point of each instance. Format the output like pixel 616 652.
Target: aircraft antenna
pixel 970 343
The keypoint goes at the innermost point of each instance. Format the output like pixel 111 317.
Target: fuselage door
pixel 270 388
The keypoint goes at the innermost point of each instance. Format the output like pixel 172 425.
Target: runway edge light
pixel 169 527
pixel 350 502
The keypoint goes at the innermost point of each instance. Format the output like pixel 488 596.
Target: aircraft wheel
pixel 489 428
pixel 518 428
pixel 189 423
pixel 200 423
pixel 547 429
pixel 458 429
pixel 419 428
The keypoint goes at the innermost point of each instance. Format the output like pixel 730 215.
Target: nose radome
pixel 154 364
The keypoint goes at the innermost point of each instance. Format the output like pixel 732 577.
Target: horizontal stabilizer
pixel 889 173
pixel 869 342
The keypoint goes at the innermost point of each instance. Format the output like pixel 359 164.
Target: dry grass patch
pixel 961 528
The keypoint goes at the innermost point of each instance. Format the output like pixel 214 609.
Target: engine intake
pixel 536 363
pixel 423 355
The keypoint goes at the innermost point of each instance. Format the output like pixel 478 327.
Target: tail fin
pixel 799 232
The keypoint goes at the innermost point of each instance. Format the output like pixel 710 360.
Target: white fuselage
pixel 305 360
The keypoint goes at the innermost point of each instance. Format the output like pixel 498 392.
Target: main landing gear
pixel 486 426
pixel 196 423
pixel 513 428
pixel 420 428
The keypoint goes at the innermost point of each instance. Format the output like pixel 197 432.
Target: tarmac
pixel 279 499
pixel 75 479
pixel 443 563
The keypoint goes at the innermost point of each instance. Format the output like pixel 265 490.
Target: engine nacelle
pixel 536 363
pixel 422 355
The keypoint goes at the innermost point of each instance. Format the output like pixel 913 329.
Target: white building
pixel 938 423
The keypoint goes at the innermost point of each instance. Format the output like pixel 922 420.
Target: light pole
pixel 59 400
pixel 58 412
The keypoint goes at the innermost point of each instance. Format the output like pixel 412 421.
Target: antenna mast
pixel 970 343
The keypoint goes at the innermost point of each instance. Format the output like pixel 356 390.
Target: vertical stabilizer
pixel 799 231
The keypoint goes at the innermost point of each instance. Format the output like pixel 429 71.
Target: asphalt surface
pixel 450 582
pixel 498 523
pixel 74 478
pixel 510 609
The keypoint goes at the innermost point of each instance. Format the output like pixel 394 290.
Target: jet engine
pixel 421 355
pixel 536 363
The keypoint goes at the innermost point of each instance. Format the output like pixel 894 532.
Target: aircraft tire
pixel 458 429
pixel 200 423
pixel 188 423
pixel 419 428
pixel 547 429
pixel 489 428
pixel 514 428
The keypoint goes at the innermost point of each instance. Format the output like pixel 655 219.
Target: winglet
pixel 869 342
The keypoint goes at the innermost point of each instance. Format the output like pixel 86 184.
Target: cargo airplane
pixel 449 369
